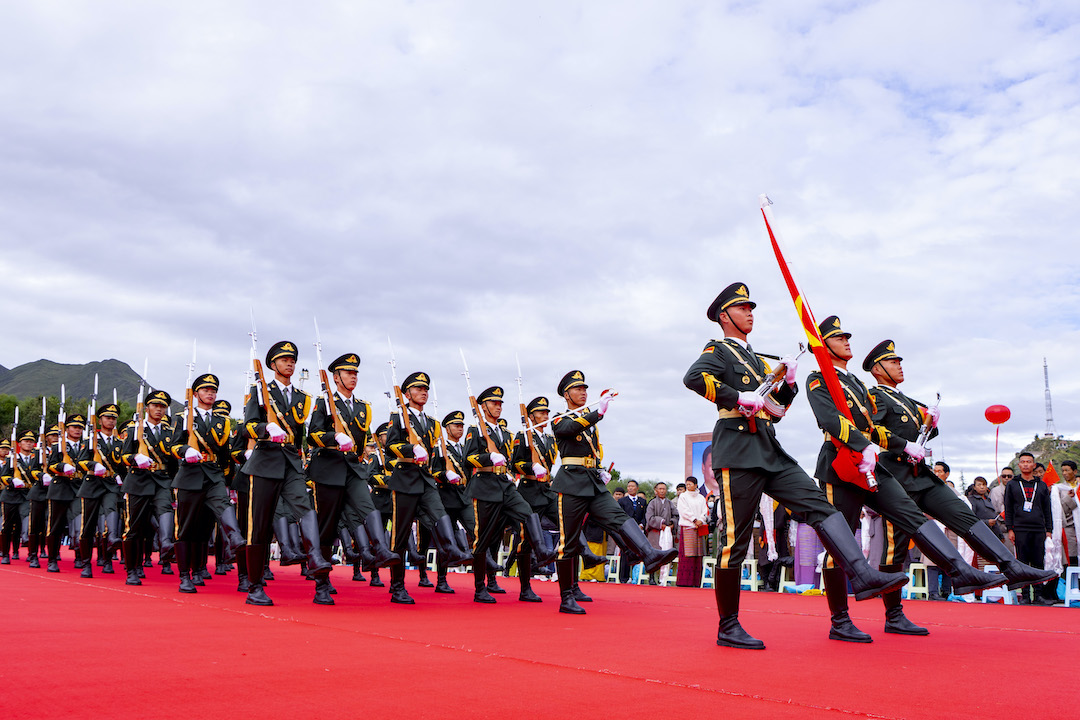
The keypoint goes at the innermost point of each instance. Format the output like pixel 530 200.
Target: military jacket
pixel 63 487
pixel 407 475
pixel 537 493
pixel 270 459
pixel 163 465
pixel 857 433
pixel 96 487
pixel 213 436
pixel 576 438
pixel 902 417
pixel 329 465
pixel 487 482
pixel 29 473
pixel 453 496
pixel 723 370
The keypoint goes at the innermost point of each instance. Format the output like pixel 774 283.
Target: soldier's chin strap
pixel 887 373
pixel 732 321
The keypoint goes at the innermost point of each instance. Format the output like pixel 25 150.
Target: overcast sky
pixel 569 182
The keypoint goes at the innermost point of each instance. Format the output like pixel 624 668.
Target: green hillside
pixel 44 377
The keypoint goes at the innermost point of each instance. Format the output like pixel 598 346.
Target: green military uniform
pixel 13 496
pixel 99 496
pixel 39 503
pixel 453 493
pixel 748 460
pixel 62 489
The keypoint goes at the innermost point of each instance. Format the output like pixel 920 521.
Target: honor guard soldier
pixel 338 476
pixel 39 504
pixel 414 493
pixel 21 472
pixel 276 470
pixel 903 417
pixel 889 500
pixel 582 488
pixel 240 448
pixel 748 461
pixel 534 456
pixel 375 472
pixel 148 486
pixel 495 499
pixel 68 464
pixel 452 476
pixel 200 482
pixel 100 492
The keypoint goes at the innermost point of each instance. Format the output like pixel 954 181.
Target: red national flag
pixel 1050 477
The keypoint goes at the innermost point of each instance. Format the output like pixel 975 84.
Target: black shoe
pixel 186 585
pixel 934 596
pixel 148 563
pixel 34 562
pixel 845 630
pixel 483 596
pixel 527 595
pixel 569 604
pixel 443 587
pixel 243 584
pixel 107 567
pixel 731 634
pixel 376 581
pixel 402 597
pixel 987 544
pixel 220 570
pixel 897 623
pixel 257 596
pixel 322 592
pixel 87 571
pixel 133 578
pixel 357 575
pixel 578 594
pixel 79 563
pixel 141 573
pixel 53 567
pixel 166 569
pixel 5 560
pixel 425 582
pixel 936 547
pixel 333 590
pixel 493 586
pixel 197 579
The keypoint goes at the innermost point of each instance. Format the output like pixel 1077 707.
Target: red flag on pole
pixel 1050 477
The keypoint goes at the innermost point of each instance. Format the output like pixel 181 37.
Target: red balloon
pixel 997 414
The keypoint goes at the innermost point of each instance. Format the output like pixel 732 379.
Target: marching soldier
pixel 902 417
pixel 21 472
pixel 200 482
pixel 889 500
pixel 99 493
pixel 276 471
pixel 148 487
pixel 414 494
pixel 534 467
pixel 452 477
pixel 495 499
pixel 68 465
pixel 39 504
pixel 582 488
pixel 748 461
pixel 376 474
pixel 335 469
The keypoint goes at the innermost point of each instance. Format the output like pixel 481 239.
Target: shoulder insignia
pixel 814 385
pixel 709 348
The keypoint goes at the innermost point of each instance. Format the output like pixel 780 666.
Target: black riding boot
pixel 524 565
pixel 479 564
pixel 165 537
pixel 131 562
pixel 635 539
pixel 375 533
pixel 966 579
pixel 565 570
pixel 398 593
pixel 256 560
pixel 183 565
pixel 542 549
pixel 289 553
pixel 986 543
pixel 726 586
pixel 895 620
pixel 588 557
pixel 309 535
pixel 443 537
pixel 441 586
pixel 839 540
pixel 836 593
pixel 322 592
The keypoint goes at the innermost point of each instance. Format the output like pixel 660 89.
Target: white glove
pixel 791 364
pixel 142 461
pixel 16 482
pixel 751 401
pixel 452 477
pixel 46 480
pixel 539 471
pixel 869 459
pixel 605 477
pixel 247 453
pixel 497 459
pixel 915 451
pixel 119 481
pixel 68 469
pixel 419 453
pixel 605 399
pixel 99 470
pixel 191 455
pixel 275 432
pixel 345 443
pixel 935 416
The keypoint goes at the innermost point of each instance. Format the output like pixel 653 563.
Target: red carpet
pixel 97 648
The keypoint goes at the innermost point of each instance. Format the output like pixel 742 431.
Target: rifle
pixel 534 453
pixel 847 460
pixel 14 454
pixel 476 408
pixel 331 405
pixel 447 461
pixel 924 435
pixel 414 439
pixel 41 437
pixel 264 390
pixel 91 424
pixel 770 385
pixel 61 418
pixel 140 420
pixel 571 413
pixel 189 422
